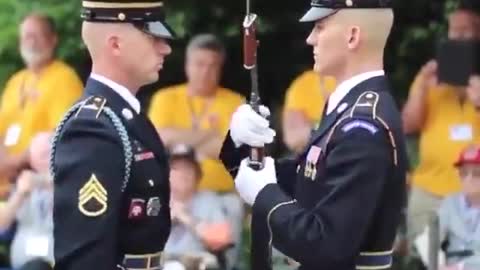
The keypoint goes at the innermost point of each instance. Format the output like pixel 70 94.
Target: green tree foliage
pixel 65 14
pixel 283 52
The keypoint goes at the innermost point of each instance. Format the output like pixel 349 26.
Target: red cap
pixel 470 155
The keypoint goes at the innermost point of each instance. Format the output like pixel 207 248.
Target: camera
pixel 457 61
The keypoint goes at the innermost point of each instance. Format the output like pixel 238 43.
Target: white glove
pixel 250 128
pixel 250 182
pixel 173 265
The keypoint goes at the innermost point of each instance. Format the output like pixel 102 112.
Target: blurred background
pixel 284 61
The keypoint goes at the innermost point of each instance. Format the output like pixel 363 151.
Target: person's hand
pixel 179 213
pixel 40 152
pixel 216 236
pixel 25 183
pixel 250 182
pixel 214 121
pixel 428 74
pixel 250 128
pixel 473 90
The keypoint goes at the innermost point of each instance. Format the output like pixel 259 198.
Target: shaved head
pixel 96 35
pixel 350 41
pixel 374 26
pixel 125 50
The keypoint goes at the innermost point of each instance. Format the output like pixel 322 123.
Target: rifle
pixel 250 45
pixel 260 247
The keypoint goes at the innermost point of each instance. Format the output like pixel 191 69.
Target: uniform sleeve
pixel 89 173
pixel 232 156
pixel 357 164
pixel 286 169
pixel 160 110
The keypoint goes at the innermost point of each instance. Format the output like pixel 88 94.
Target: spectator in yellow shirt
pixel 447 119
pixel 35 98
pixel 303 108
pixel 198 114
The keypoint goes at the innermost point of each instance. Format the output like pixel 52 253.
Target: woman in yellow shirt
pixel 303 107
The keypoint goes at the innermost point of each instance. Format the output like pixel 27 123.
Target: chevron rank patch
pixel 92 198
pixel 360 124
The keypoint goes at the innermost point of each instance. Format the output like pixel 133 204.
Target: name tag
pixel 37 246
pixel 13 134
pixel 461 132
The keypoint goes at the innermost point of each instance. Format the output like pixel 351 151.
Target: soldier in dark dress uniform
pixel 110 169
pixel 337 205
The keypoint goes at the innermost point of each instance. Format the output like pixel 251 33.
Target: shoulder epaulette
pixel 366 107
pixel 366 104
pixel 95 103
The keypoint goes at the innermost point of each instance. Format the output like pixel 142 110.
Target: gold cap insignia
pixel 92 198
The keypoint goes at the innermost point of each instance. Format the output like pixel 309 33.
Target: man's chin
pixel 318 68
pixel 153 78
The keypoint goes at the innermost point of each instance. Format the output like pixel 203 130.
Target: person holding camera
pixel 447 119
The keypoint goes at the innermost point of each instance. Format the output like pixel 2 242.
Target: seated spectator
pixel 303 108
pixel 198 113
pixel 459 215
pixel 447 120
pixel 200 226
pixel 36 97
pixel 30 206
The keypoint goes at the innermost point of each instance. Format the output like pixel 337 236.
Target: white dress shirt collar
pixel 342 89
pixel 120 90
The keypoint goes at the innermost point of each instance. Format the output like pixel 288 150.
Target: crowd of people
pixel 192 120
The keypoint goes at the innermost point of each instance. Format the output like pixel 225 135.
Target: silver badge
pixel 342 107
pixel 127 113
pixel 153 207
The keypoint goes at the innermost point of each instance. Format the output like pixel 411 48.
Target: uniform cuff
pixel 269 197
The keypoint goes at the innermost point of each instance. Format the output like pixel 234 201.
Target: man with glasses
pixel 110 169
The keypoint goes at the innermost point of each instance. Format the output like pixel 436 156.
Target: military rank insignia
pixel 311 164
pixel 92 198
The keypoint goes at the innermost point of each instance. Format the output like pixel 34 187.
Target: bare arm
pixel 9 210
pixel 211 147
pixel 296 130
pixel 172 136
pixel 415 110
pixel 10 165
pixel 207 142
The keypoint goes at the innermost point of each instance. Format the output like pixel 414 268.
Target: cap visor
pixel 316 13
pixel 159 29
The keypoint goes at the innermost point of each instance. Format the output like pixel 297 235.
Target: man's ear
pixel 114 44
pixel 353 37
